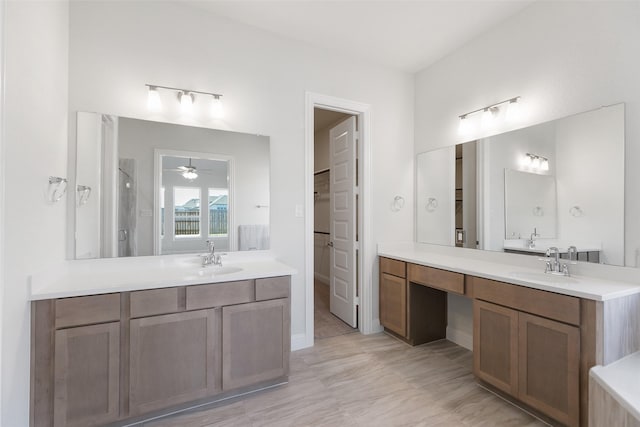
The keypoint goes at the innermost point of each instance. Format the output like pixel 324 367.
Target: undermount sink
pixel 214 271
pixel 218 270
pixel 542 277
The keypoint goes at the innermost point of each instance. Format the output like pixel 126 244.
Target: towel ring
pixel 432 204
pixel 576 211
pixel 57 188
pixel 84 192
pixel 397 204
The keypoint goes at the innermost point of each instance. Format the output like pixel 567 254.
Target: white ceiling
pixel 406 35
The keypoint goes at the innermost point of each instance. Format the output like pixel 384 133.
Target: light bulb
pixel 216 107
pixel 535 164
pixel 153 99
pixel 488 116
pixel 190 175
pixel 186 102
pixel 544 165
pixel 525 161
pixel 513 110
pixel 464 127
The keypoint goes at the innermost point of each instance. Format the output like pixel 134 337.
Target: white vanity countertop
pixel 106 275
pixel 521 270
pixel 622 380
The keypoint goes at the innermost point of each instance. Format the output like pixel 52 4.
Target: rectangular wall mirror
pixel 559 183
pixel 153 188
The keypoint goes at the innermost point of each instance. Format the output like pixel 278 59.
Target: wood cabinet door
pixel 495 345
pixel 173 359
pixel 393 303
pixel 549 374
pixel 256 342
pixel 87 375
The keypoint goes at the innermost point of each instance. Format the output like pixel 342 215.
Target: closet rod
pixel 322 232
pixel 322 171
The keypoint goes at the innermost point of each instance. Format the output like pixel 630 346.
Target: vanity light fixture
pixel 490 113
pixel 186 101
pixel 186 97
pixel 153 99
pixel 464 127
pixel 216 107
pixel 544 164
pixel 513 109
pixel 535 162
pixel 488 116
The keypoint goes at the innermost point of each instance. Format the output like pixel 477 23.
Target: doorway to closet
pixel 335 223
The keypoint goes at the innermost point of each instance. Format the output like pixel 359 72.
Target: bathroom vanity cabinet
pixel 103 359
pixel 531 345
pixel 534 358
pixel 393 296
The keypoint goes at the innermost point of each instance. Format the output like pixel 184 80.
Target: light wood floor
pixel 367 380
pixel 326 325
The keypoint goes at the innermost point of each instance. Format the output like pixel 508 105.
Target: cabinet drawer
pixel 78 311
pixel 393 267
pixel 272 288
pixel 154 301
pixel 563 308
pixel 219 294
pixel 435 278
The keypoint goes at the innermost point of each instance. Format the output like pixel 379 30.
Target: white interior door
pixel 342 191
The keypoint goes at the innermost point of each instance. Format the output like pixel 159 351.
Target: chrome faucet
pixel 553 266
pixel 531 242
pixel 211 257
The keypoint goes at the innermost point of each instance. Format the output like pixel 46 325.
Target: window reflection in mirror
pixel 187 180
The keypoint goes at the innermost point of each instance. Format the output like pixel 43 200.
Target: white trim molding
pixel 298 342
pixel 3 91
pixel 367 247
pixel 3 27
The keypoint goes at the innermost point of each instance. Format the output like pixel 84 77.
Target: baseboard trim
pixel 321 278
pixel 299 341
pixel 376 327
pixel 461 338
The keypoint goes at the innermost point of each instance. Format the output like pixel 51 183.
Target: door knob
pixel 330 244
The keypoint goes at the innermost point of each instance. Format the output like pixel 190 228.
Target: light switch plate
pixel 299 211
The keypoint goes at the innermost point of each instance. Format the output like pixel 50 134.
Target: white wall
pixel 35 147
pixel 117 47
pixel 562 58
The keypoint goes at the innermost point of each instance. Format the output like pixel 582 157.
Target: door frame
pixel 365 258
